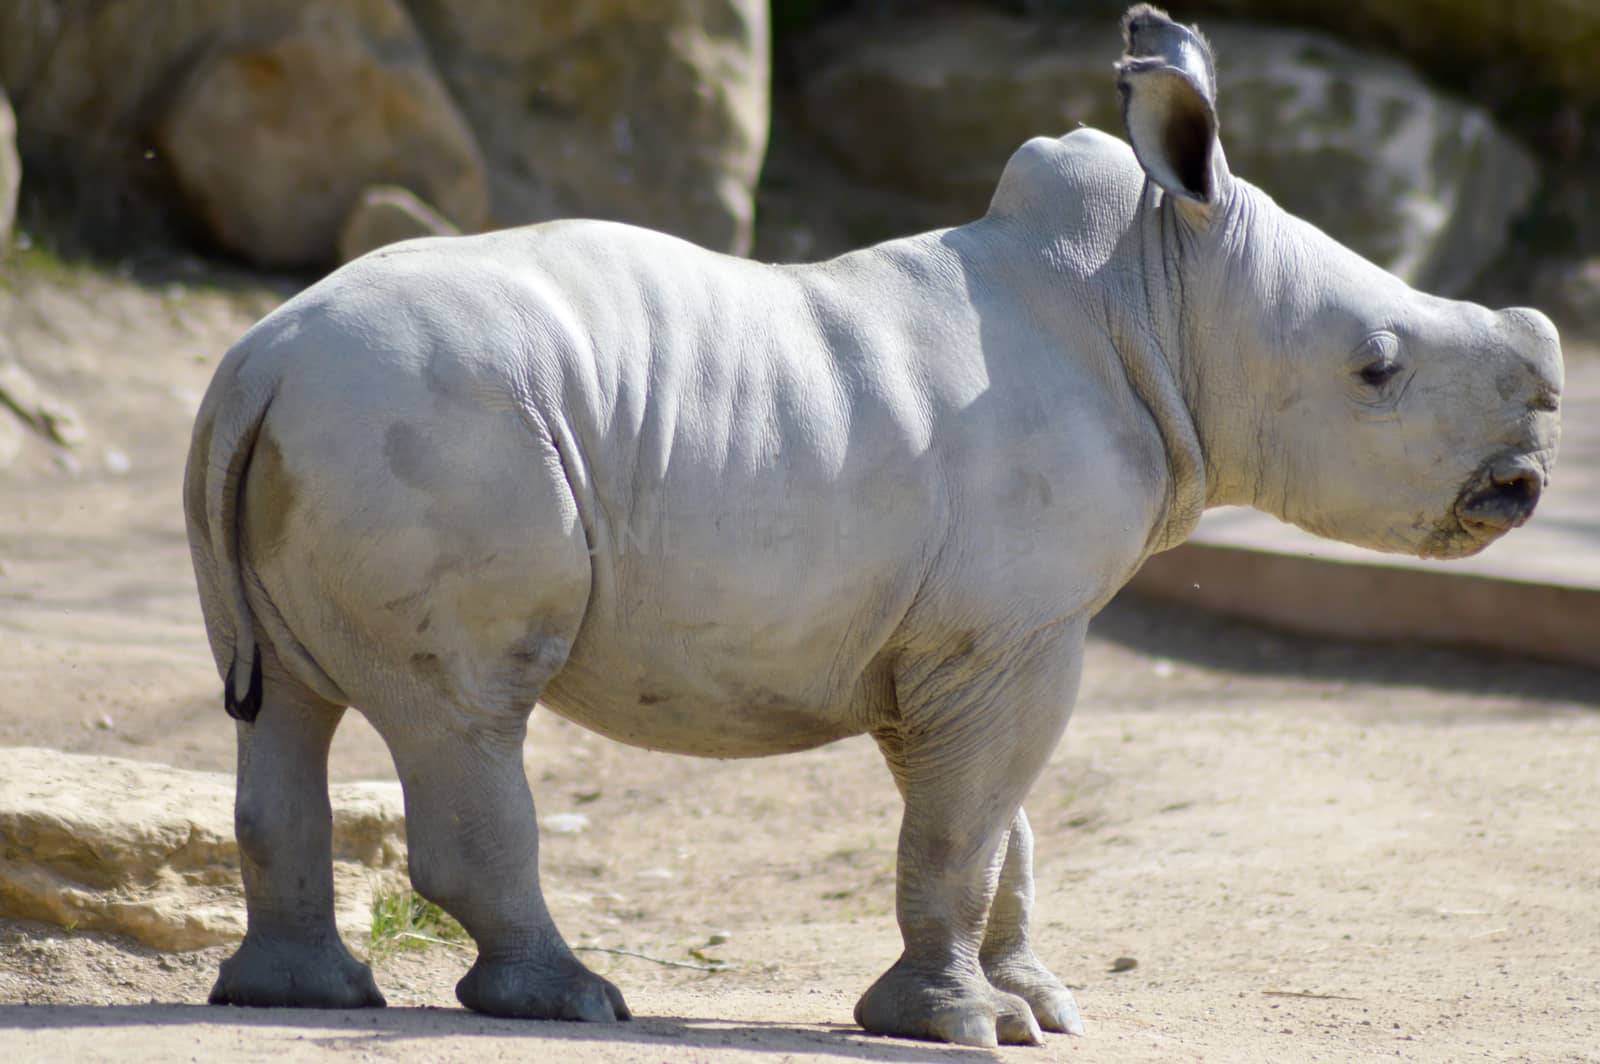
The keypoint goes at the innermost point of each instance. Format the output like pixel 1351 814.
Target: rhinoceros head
pixel 1323 389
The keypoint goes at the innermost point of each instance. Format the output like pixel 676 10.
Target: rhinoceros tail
pixel 224 439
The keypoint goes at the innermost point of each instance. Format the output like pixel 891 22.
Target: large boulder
pixel 273 141
pixel 148 851
pixel 269 117
pixel 1520 55
pixel 647 112
pixel 1357 144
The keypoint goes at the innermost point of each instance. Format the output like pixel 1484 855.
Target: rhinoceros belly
pixel 738 712
pixel 697 652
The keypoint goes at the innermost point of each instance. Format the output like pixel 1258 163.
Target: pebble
pixel 564 823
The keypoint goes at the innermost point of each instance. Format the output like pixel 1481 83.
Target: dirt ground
pixel 1313 851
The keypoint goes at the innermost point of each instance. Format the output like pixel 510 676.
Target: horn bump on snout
pixel 1535 337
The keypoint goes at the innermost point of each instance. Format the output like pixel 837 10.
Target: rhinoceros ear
pixel 1169 98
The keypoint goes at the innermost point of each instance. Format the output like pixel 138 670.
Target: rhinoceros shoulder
pixel 1085 166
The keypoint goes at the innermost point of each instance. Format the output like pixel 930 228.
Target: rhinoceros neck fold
pixel 1148 338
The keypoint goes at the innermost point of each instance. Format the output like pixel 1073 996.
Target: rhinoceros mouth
pixel 1499 496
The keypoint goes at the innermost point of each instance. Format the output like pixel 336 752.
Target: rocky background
pixel 1451 140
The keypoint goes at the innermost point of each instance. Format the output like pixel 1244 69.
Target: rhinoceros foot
pixel 309 975
pixel 526 989
pixel 945 1007
pixel 1052 1003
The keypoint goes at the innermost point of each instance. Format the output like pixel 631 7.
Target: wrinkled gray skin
pixel 714 507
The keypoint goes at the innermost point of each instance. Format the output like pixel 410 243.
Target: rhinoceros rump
pixel 709 506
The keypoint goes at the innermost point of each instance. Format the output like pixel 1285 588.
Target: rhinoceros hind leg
pixel 548 992
pixel 917 1001
pixel 975 728
pixel 1007 955
pixel 474 851
pixel 292 954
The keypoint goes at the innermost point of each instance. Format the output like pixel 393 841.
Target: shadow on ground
pixel 351 1029
pixel 1162 629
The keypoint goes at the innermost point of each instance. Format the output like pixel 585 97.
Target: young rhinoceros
pixel 714 507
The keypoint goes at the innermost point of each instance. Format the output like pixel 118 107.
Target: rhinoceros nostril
pixel 1505 502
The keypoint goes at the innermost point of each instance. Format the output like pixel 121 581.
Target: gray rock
pixel 1356 144
pixel 388 214
pixel 1359 145
pixel 145 850
pixel 647 113
pixel 1569 290
pixel 1536 49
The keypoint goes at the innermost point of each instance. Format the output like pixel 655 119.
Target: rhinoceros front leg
pixel 292 954
pixel 1007 954
pixel 974 731
pixel 474 851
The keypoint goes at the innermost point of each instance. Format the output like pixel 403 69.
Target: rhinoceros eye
pixel 1378 360
pixel 1377 374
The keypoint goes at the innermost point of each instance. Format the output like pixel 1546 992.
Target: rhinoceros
pixel 710 506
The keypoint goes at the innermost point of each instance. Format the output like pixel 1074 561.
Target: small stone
pixel 656 873
pixel 717 938
pixel 41 412
pixel 1124 964
pixel 564 823
pixel 388 214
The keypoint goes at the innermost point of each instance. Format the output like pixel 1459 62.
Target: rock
pixel 1569 291
pixel 270 118
pixel 11 439
pixel 147 851
pixel 564 823
pixel 272 143
pixel 388 214
pixel 1356 144
pixel 10 172
pixel 21 395
pixel 648 113
pixel 1518 55
pixel 1421 183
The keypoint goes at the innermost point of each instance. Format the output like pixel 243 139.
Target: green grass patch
pixel 38 260
pixel 404 919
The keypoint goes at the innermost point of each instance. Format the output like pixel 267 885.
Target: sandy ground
pixel 1313 851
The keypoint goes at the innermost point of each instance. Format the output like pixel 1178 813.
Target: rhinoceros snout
pixel 1501 497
